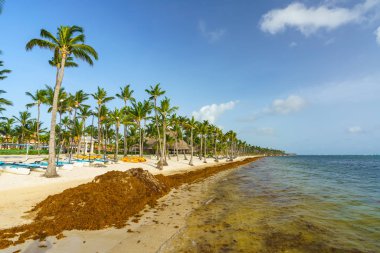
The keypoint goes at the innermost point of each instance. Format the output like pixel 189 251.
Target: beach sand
pixel 156 225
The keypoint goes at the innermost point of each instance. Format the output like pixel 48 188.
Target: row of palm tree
pixel 154 118
pixel 142 120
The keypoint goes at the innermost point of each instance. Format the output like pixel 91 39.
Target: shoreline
pixel 19 193
pixel 188 194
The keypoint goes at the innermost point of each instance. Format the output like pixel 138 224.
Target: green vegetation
pixel 150 126
pixel 22 152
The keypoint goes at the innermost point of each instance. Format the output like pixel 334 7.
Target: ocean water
pixel 290 204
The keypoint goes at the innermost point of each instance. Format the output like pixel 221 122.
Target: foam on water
pixel 290 204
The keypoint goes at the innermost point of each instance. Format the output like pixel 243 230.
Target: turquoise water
pixel 290 204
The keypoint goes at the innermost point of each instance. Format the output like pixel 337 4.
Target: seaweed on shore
pixel 108 201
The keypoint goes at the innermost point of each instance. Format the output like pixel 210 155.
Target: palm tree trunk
pixel 125 135
pixel 142 139
pixel 160 162
pixel 140 145
pixel 81 137
pixel 184 151
pixel 117 142
pixel 176 147
pixel 215 154
pixel 51 168
pixel 164 143
pixel 204 160
pixel 200 152
pixel 192 148
pixel 38 128
pixel 99 132
pixel 125 140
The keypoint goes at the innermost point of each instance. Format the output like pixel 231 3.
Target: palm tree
pixel 174 122
pixel 191 124
pixel 34 127
pixel 165 110
pixel 69 41
pixel 116 117
pixel 77 131
pixel 155 92
pixel 205 131
pixel 217 132
pixel 125 94
pixel 182 122
pixel 6 128
pixel 76 101
pixel 24 120
pixel 138 112
pixel 62 97
pixel 84 113
pixel 39 97
pixel 101 98
pixel 4 102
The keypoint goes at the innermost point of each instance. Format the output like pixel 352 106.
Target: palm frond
pixel 86 49
pixel 83 56
pixel 40 43
pixel 48 35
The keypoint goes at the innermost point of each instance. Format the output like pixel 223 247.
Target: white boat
pixel 16 170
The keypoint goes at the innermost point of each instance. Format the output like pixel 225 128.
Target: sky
pixel 301 76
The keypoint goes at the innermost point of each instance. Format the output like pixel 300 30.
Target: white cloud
pixel 293 44
pixel 309 20
pixel 377 33
pixel 213 111
pixel 211 36
pixel 291 104
pixel 355 130
pixel 288 105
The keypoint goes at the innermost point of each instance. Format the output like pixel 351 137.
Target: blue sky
pixel 301 76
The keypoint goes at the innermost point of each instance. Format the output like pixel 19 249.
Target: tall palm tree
pixel 125 95
pixel 155 92
pixel 165 110
pixel 191 124
pixel 76 101
pixel 116 117
pixel 175 129
pixel 84 113
pixel 205 131
pixel 76 131
pixel 24 121
pixel 68 41
pixel 182 122
pixel 39 97
pixel 217 132
pixel 138 112
pixel 101 98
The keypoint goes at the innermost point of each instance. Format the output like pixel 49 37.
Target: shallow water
pixel 290 204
